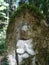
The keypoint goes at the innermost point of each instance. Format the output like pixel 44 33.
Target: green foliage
pixel 2 49
pixel 43 5
pixel 2 39
pixel 3 26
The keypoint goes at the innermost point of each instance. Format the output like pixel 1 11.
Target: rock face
pixel 29 26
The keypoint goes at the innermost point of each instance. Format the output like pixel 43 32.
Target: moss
pixel 27 61
pixel 4 61
pixel 22 8
pixel 38 23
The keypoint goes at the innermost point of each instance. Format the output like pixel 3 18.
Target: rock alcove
pixel 27 34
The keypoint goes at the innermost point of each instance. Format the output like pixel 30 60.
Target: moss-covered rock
pixel 39 32
pixel 32 8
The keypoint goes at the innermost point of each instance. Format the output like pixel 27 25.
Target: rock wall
pixel 36 30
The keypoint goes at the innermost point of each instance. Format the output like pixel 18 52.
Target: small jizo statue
pixel 24 47
pixel 26 53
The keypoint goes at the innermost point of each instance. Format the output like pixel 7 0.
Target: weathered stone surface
pixel 36 30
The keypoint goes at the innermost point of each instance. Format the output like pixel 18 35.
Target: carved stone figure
pixel 27 28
